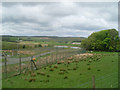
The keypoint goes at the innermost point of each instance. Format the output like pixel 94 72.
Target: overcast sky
pixel 58 19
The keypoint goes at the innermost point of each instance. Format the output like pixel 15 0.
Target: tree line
pixel 104 40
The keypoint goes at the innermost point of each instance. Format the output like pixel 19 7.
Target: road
pixel 16 60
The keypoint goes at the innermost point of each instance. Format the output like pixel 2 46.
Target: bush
pixel 31 80
pixel 89 68
pixel 24 46
pixel 51 69
pixel 39 45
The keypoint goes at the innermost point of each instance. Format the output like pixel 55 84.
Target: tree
pixel 105 40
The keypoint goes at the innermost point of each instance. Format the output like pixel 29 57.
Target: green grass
pixel 105 71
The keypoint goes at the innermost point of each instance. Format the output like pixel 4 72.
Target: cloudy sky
pixel 58 19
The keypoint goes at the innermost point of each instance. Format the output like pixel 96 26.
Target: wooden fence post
pixel 52 58
pixel 31 63
pixel 5 66
pixel 56 57
pixel 20 64
pixel 93 80
pixel 46 61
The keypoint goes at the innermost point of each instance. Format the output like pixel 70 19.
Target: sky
pixel 64 19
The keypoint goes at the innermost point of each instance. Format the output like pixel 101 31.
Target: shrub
pixel 70 58
pixel 90 61
pixel 47 81
pixel 68 69
pixel 69 62
pixel 77 67
pixel 62 69
pixel 48 75
pixel 61 72
pixel 89 68
pixel 50 66
pixel 31 80
pixel 51 69
pixel 40 45
pixel 74 68
pixel 25 79
pixel 88 64
pixel 41 73
pixel 60 62
pixel 65 77
pixel 67 65
pixel 55 66
pixel 98 70
pixel 33 74
pixel 24 46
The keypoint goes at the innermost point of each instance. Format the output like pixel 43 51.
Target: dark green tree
pixel 105 40
pixel 24 46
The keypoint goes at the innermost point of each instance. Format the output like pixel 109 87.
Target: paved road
pixel 16 60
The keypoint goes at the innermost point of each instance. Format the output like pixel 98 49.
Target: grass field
pixel 11 42
pixel 73 75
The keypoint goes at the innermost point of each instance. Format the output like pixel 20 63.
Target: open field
pixel 74 72
pixel 11 42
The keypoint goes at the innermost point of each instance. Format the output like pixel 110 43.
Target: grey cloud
pixel 61 19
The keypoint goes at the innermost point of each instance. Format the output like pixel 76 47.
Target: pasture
pixel 74 72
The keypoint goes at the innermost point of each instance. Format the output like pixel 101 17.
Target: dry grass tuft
pixel 51 69
pixel 56 66
pixel 60 62
pixel 31 80
pixel 62 69
pixel 33 74
pixel 41 73
pixel 48 75
pixel 61 72
pixel 66 77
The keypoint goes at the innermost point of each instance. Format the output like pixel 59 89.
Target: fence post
pixel 5 66
pixel 56 57
pixel 52 58
pixel 20 64
pixel 46 61
pixel 31 63
pixel 93 80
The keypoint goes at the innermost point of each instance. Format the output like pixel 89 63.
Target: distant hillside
pixel 40 38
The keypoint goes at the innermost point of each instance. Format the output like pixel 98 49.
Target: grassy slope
pixel 80 78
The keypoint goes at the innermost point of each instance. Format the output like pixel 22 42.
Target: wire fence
pixel 16 66
pixel 22 66
pixel 100 82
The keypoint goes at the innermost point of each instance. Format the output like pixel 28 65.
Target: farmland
pixel 11 42
pixel 75 74
pixel 60 44
pixel 57 67
pixel 35 44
